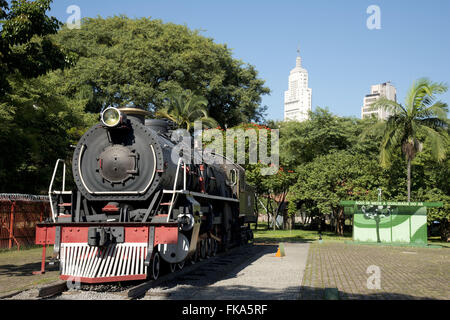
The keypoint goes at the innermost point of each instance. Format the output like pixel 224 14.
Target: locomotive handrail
pixel 51 185
pixel 203 195
pixel 175 187
pixel 184 176
pixel 229 160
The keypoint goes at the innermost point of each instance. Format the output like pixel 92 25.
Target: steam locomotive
pixel 140 204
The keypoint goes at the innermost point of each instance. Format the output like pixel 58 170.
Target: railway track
pixel 42 293
pixel 203 272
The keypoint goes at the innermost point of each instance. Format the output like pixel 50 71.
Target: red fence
pixel 18 217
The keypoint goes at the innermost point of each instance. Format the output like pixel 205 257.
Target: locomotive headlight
pixel 111 117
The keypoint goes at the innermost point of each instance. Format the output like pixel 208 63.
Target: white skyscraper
pixel 297 99
pixel 386 90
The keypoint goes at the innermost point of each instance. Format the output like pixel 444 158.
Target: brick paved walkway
pixel 406 272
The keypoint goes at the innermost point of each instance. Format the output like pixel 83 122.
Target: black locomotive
pixel 142 201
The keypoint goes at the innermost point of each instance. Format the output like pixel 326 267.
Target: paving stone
pixel 416 273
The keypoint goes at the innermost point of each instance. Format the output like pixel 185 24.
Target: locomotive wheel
pixel 194 257
pixel 203 249
pixel 181 264
pixel 155 266
pixel 209 243
pixel 214 247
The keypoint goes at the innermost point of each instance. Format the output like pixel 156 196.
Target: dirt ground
pixel 16 269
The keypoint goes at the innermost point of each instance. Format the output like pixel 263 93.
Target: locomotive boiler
pixel 140 203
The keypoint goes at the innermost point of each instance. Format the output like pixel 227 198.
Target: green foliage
pixel 116 61
pixel 39 125
pixel 25 47
pixel 292 208
pixel 323 133
pixel 184 109
pixel 334 177
pixel 334 159
pixel 120 61
pixel 422 116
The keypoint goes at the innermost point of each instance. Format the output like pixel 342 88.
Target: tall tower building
pixel 297 99
pixel 386 90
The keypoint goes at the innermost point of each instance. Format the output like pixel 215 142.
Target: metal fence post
pixel 42 212
pixel 11 224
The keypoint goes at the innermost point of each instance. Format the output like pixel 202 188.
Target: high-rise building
pixel 386 90
pixel 297 99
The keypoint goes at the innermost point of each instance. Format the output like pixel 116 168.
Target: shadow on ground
pixel 23 270
pixel 273 240
pixel 244 292
pixel 194 287
pixel 189 287
pixel 310 293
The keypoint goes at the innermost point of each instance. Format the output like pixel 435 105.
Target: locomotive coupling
pixel 100 236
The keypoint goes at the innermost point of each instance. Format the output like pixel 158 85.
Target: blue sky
pixel 343 57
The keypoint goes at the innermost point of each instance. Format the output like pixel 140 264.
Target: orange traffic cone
pixel 278 254
pixel 280 251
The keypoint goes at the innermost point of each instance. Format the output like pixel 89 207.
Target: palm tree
pixel 184 109
pixel 420 116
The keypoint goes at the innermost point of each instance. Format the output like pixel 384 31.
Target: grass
pixel 24 251
pixel 438 241
pixel 22 248
pixel 16 267
pixel 262 235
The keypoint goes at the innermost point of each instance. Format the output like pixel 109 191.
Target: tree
pixel 301 142
pixel 184 109
pixel 25 46
pixel 120 61
pixel 431 184
pixel 278 187
pixel 271 183
pixel 421 114
pixel 39 124
pixel 337 176
pixel 442 215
